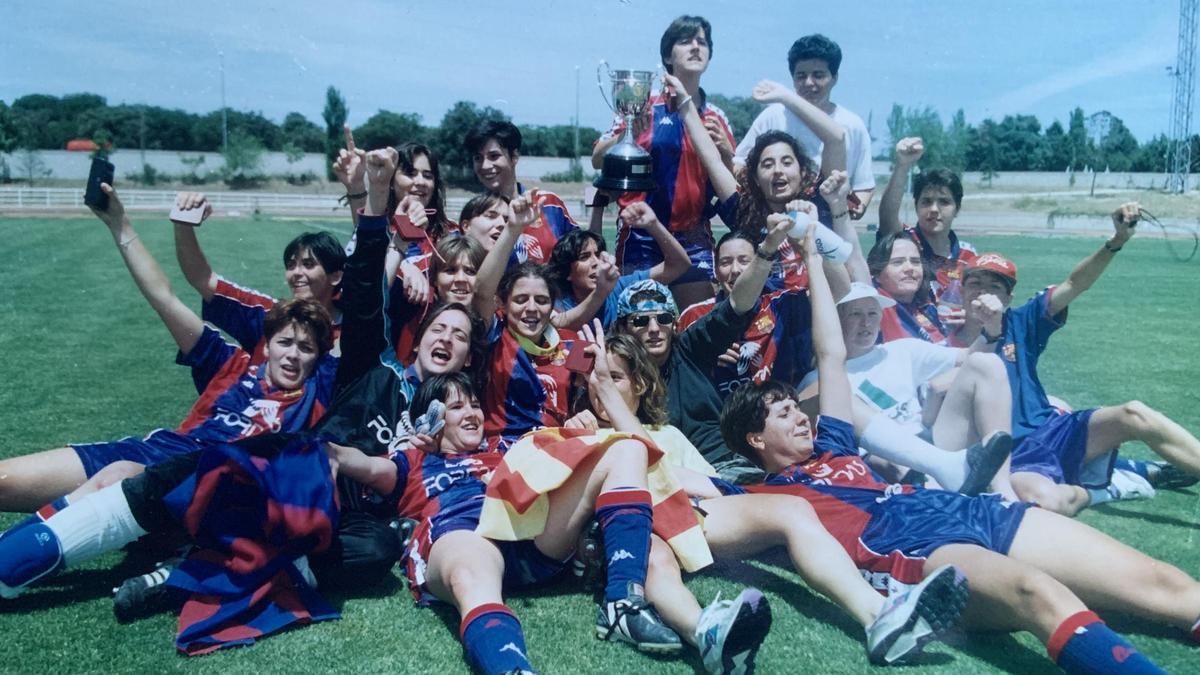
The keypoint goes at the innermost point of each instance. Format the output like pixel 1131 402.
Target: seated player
pixel 813 63
pixel 682 201
pixel 937 196
pixel 277 388
pixel 902 422
pixel 900 273
pixel 778 343
pixel 495 149
pixel 443 485
pixel 1029 569
pixel 729 633
pixel 1053 451
pixel 313 264
pixel 587 277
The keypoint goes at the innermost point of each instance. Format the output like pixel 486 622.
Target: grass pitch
pixel 85 359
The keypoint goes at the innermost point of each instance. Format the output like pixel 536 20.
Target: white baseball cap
pixel 859 290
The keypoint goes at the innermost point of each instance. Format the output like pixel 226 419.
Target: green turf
pixel 85 359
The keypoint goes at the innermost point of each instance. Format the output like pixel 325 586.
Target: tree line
pixel 1015 143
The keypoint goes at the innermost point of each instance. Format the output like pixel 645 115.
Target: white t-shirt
pixel 858 141
pixel 890 376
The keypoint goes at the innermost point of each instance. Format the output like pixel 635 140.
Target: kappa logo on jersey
pixel 512 647
pixel 1010 352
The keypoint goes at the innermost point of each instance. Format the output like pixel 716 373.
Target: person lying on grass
pixel 442 483
pixel 277 388
pixel 1057 456
pixel 728 633
pixel 1029 568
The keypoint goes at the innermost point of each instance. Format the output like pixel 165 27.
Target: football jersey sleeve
pixel 239 312
pixel 713 333
pixel 363 338
pixel 835 436
pixel 207 358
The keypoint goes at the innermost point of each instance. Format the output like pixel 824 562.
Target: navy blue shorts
pixel 919 523
pixel 160 445
pixel 1057 450
pixel 637 250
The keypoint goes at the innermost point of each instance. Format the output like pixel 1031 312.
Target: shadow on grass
pixel 1001 651
pixel 1156 518
pixel 76 585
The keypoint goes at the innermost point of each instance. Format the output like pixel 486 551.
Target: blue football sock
pixel 493 639
pixel 28 552
pixel 1085 644
pixel 626 519
pixel 43 514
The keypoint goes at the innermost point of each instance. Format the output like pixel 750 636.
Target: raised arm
pixel 835 189
pixel 350 169
pixel 600 380
pixel 1124 218
pixel 832 135
pixel 828 346
pixel 487 280
pixel 908 151
pixel 606 279
pixel 185 327
pixel 719 174
pixel 188 254
pixel 675 262
pixel 749 285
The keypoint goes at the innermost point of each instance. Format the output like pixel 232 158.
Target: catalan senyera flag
pixel 517 500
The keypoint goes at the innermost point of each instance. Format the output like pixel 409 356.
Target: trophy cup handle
pixel 600 68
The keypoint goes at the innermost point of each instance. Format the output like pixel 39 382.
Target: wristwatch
pixel 769 257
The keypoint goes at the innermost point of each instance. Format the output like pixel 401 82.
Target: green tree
pixel 299 131
pixel 1078 146
pixel 1018 143
pixel 448 142
pixel 335 118
pixel 243 159
pixel 941 150
pixel 8 128
pixel 386 128
pixel 739 110
pixel 1119 148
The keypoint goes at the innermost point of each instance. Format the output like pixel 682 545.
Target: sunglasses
pixel 643 320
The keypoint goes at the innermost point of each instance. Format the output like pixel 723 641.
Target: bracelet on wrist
pixel 763 255
pixel 348 197
pixel 843 214
pixel 1108 246
pixel 683 101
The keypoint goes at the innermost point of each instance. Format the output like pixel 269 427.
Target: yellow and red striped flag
pixel 516 504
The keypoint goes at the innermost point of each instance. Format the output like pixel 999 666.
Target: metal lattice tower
pixel 1179 149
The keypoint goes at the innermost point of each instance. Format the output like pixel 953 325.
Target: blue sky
pixel 989 58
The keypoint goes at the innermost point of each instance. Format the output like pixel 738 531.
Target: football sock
pixel 626 518
pixel 1084 644
pixel 492 638
pixel 28 552
pixel 44 513
pixel 1196 631
pixel 97 523
pixel 884 438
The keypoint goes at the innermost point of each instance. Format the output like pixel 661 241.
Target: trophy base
pixel 624 184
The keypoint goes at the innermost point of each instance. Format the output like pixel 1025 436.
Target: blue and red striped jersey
pixel 525 391
pixel 237 402
pixel 240 311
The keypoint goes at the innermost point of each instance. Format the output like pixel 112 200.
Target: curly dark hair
pixel 308 314
pixel 752 207
pixel 566 251
pixel 746 413
pixel 439 224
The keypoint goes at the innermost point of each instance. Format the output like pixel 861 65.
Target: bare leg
pixel 572 504
pixel 978 403
pixel 742 525
pixel 1007 594
pixel 465 570
pixel 1112 425
pixel 1105 573
pixel 665 590
pixel 1059 498
pixel 110 475
pixel 29 482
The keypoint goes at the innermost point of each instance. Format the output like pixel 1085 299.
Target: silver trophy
pixel 626 165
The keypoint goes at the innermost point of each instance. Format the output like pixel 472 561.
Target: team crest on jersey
pixel 1010 352
pixel 264 414
pixel 764 324
pixel 528 247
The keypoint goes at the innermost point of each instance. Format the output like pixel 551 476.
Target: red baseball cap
pixel 995 263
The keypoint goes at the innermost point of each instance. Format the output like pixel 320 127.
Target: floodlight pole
pixel 224 116
pixel 1179 145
